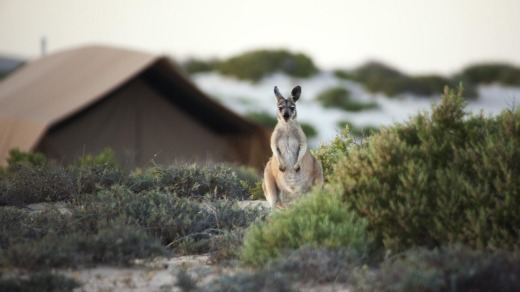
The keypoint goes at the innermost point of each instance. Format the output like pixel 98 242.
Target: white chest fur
pixel 289 147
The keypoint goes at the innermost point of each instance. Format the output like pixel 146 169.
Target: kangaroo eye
pixel 292 107
pixel 280 108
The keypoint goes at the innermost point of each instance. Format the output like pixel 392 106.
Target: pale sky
pixel 416 36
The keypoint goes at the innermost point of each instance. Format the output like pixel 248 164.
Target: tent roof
pixel 51 89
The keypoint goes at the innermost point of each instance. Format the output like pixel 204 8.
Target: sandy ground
pixel 158 275
pixel 161 275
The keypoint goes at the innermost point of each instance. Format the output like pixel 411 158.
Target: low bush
pixel 30 178
pixel 339 97
pixel 26 183
pixel 184 225
pixel 116 225
pixel 114 244
pixel 216 181
pixel 255 65
pixel 329 154
pixel 318 265
pixel 378 77
pixel 492 72
pixel 186 208
pixel 49 239
pixel 38 282
pixel 443 177
pixel 246 174
pixel 17 157
pixel 308 265
pixel 443 269
pixel 358 131
pixel 317 220
pixel 343 74
pixel 106 158
pixel 262 280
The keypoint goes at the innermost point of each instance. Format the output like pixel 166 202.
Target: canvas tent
pixel 80 101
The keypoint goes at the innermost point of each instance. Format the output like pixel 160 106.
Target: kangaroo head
pixel 287 107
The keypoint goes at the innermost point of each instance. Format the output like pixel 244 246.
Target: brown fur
pixel 292 169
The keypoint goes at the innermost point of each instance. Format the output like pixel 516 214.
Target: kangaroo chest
pixel 289 146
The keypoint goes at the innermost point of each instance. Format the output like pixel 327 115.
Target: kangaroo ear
pixel 296 93
pixel 278 94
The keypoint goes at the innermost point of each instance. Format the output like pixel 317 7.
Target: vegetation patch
pixel 37 282
pixel 443 269
pixel 444 177
pixel 492 72
pixel 358 131
pixel 257 64
pixel 329 154
pixel 181 209
pixel 262 280
pixel 217 181
pixel 320 219
pixel 339 97
pixel 378 77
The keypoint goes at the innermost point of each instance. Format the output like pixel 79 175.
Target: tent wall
pixel 140 125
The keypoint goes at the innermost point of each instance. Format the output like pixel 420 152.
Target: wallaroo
pixel 292 169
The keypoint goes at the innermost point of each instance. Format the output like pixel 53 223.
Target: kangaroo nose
pixel 286 116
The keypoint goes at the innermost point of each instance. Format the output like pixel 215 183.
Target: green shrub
pixel 377 77
pixel 105 158
pixel 492 72
pixel 443 177
pixel 425 85
pixel 358 131
pixel 342 74
pixel 257 192
pixel 329 154
pixel 20 157
pixel 339 97
pixel 318 220
pixel 444 269
pixel 255 65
